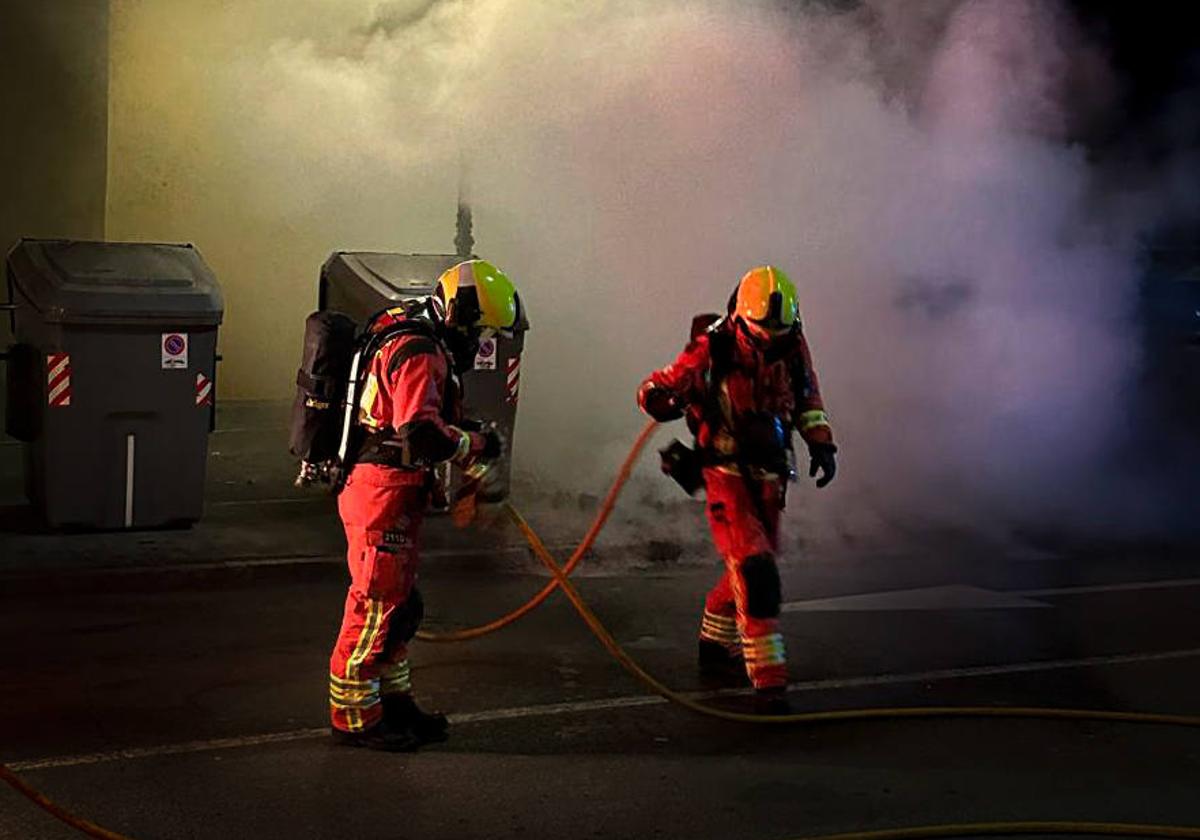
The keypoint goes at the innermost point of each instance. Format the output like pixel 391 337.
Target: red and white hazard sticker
pixel 58 379
pixel 204 390
pixel 514 380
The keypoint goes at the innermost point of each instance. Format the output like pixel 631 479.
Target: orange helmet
pixel 765 301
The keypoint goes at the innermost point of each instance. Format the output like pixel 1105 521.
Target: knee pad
pixel 407 617
pixel 763 590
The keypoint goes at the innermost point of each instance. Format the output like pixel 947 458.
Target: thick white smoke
pixel 966 285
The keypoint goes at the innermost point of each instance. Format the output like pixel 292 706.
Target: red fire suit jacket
pixel 785 386
pixel 410 389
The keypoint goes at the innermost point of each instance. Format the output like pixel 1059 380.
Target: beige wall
pixel 53 102
pixel 53 121
pixel 196 155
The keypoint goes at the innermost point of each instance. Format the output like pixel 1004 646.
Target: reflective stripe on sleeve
pixel 812 419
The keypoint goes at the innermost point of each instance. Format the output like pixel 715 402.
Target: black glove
pixel 493 444
pixel 662 405
pixel 822 459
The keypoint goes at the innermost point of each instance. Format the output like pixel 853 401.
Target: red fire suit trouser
pixel 381 510
pixel 742 610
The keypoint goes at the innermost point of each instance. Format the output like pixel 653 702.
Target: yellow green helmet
pixel 476 294
pixel 766 298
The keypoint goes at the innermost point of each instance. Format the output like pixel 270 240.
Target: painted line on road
pixel 611 703
pixel 286 501
pixel 166 749
pixel 958 596
pixel 295 560
pixel 1136 586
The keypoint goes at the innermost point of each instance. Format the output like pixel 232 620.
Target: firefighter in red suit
pixel 410 417
pixel 744 383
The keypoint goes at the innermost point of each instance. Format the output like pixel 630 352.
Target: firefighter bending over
pixel 743 383
pixel 410 416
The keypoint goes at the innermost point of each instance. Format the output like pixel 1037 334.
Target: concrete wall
pixel 53 121
pixel 197 154
pixel 54 101
pixel 158 120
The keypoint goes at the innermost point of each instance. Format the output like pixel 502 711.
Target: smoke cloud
pixel 967 277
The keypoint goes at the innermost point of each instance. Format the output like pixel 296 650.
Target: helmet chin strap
pixel 463 343
pixel 772 345
pixel 436 308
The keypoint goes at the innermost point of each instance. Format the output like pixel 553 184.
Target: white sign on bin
pixel 174 351
pixel 485 359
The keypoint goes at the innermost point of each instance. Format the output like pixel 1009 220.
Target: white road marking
pixel 303 560
pixel 166 749
pixel 1135 586
pixel 298 500
pixel 130 460
pixel 626 702
pixel 314 560
pixel 966 597
pixel 951 597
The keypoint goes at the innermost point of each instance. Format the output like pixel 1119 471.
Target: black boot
pixel 718 664
pixel 401 712
pixel 771 701
pixel 381 736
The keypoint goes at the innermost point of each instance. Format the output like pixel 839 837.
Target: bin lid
pixel 392 277
pixel 115 282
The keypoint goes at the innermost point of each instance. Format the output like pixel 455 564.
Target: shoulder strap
pixel 368 344
pixel 425 341
pixel 371 343
pixel 797 368
pixel 721 341
pixel 722 347
pixel 421 346
pixel 720 363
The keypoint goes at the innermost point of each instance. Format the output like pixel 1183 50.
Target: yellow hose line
pixel 584 546
pixel 619 653
pixel 46 804
pixel 929 832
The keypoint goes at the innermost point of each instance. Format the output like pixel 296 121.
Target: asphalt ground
pixel 199 712
pixel 186 697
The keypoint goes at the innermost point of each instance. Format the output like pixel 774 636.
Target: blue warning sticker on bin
pixel 174 351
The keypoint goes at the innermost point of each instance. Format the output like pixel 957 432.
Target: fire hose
pixel 589 539
pixel 560 580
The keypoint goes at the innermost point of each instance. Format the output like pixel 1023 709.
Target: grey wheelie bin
pixel 112 380
pixel 363 283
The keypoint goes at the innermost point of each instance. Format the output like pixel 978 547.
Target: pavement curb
pixel 240 571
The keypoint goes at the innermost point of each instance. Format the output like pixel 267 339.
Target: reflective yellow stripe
pixel 366 641
pixel 719 628
pixel 334 679
pixel 396 679
pixel 812 419
pixel 367 403
pixel 717 623
pixel 353 699
pixel 764 650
